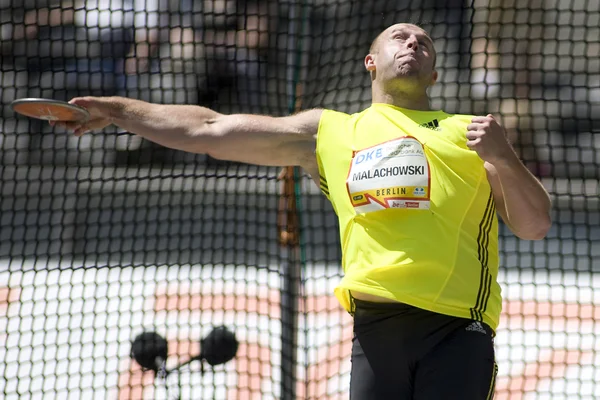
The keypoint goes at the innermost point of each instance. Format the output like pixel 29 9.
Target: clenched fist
pixel 488 139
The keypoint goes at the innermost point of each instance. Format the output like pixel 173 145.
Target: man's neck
pixel 403 100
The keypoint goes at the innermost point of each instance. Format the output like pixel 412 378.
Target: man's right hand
pixel 101 111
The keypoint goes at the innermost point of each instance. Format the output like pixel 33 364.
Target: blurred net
pixel 106 236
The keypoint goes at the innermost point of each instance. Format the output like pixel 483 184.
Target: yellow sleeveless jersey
pixel 417 218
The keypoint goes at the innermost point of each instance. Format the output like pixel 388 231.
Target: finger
pixel 472 144
pixel 480 119
pixel 96 123
pixel 79 100
pixel 84 102
pixel 82 128
pixel 81 131
pixel 474 126
pixel 472 135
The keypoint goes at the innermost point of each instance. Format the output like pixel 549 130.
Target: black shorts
pixel 401 352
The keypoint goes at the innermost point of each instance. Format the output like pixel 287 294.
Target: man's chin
pixel 407 73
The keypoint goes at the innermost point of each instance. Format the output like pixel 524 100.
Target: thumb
pixel 84 102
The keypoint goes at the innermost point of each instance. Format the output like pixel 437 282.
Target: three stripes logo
pixel 433 125
pixel 324 187
pixel 485 279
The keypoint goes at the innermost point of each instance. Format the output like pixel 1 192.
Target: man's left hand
pixel 488 139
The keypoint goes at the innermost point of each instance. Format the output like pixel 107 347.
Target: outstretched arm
pixel 254 139
pixel 521 200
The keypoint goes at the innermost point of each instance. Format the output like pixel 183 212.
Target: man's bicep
pixel 262 140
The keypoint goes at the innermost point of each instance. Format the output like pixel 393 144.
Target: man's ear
pixel 434 78
pixel 370 62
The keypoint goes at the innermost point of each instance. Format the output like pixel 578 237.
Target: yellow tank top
pixel 416 213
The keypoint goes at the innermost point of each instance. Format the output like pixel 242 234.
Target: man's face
pixel 403 51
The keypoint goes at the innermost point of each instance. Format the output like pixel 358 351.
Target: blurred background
pixel 106 235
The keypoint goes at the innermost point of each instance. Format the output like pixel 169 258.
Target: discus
pixel 49 110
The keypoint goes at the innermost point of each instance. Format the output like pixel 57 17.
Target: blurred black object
pixel 219 346
pixel 150 350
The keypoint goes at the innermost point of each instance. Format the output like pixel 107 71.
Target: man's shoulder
pixel 335 120
pixel 337 114
pixel 458 119
pixel 330 115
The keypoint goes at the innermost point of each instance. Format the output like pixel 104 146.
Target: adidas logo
pixel 433 125
pixel 476 327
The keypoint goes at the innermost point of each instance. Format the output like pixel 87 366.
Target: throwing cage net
pixel 108 238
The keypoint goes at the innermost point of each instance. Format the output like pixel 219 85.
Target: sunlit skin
pixel 401 62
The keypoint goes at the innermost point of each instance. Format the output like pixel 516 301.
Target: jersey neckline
pixel 406 109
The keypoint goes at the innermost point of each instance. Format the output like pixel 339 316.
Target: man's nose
pixel 412 43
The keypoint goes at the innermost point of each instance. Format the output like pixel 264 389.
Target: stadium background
pixel 105 236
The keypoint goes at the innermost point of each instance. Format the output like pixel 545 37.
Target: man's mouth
pixel 411 55
pixel 407 58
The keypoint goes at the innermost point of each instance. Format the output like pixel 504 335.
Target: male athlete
pixel 416 192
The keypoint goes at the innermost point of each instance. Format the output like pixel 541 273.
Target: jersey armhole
pixel 321 142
